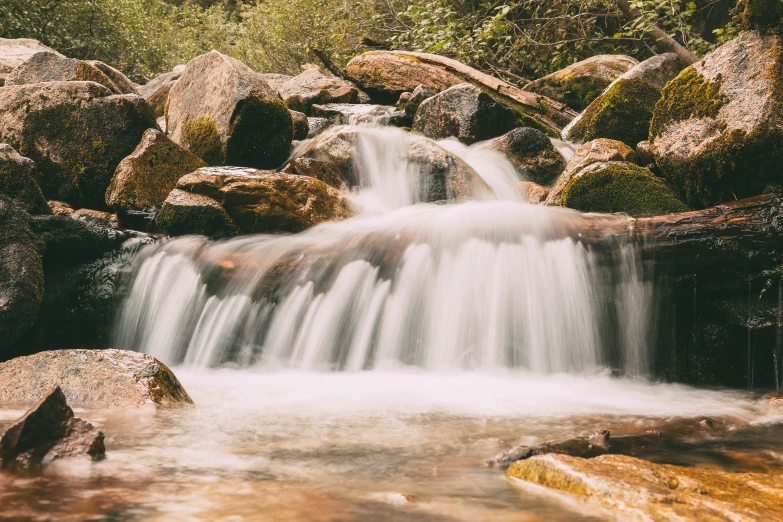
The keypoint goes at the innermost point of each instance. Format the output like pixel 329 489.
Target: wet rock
pixel 317 126
pixel 21 274
pixel 354 114
pixel 156 91
pixel 49 432
pixel 465 112
pixel 14 52
pixel 60 208
pixel 313 86
pixel 97 217
pixel 531 152
pixel 635 489
pixel 184 213
pixel 716 132
pixel 534 193
pixel 301 125
pixel 92 379
pixel 65 240
pixel 611 187
pixel 323 170
pixel 75 132
pixel 264 201
pixel 53 67
pixel 18 181
pixel 775 406
pixel 591 152
pixel 579 84
pixel 144 179
pixel 224 112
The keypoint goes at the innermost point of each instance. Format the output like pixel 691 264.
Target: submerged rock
pixel 92 379
pixel 18 181
pixel 579 84
pixel 53 67
pixel 718 129
pixel 184 213
pixel 14 52
pixel 49 432
pixel 532 154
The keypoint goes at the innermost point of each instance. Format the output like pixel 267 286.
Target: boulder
pixel 634 489
pixel 579 84
pixel 760 14
pixel 76 133
pixel 411 104
pixel 534 193
pixel 465 112
pixel 64 240
pixel 264 201
pixel 144 179
pixel 275 80
pixel 314 86
pixel 611 187
pixel 97 217
pixel 531 152
pixel 224 112
pixel 301 125
pixel 591 152
pixel 316 126
pixel 18 181
pixel 14 52
pixel 53 67
pixel 717 131
pixel 48 432
pixel 21 274
pixel 323 170
pixel 92 379
pixel 121 81
pixel 156 91
pixel 184 213
pixel 59 208
pixel 645 153
pixel 624 111
pixel 355 114
pixel 774 406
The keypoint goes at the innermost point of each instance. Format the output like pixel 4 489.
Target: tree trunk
pixel 658 36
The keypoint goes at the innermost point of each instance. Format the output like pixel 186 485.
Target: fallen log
pixel 394 72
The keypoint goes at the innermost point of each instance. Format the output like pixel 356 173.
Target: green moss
pixel 85 72
pixel 761 14
pixel 621 187
pixel 201 137
pixel 689 95
pixel 260 133
pixel 546 474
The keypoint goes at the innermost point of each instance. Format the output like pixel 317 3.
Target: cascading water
pixel 474 285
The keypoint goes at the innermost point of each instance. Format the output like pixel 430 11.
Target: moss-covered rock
pixel 260 133
pixel 184 213
pixel 532 154
pixel 301 125
pixel 144 179
pixel 718 129
pixel 579 84
pixel 18 181
pixel 620 187
pixel 200 136
pixel 761 14
pixel 53 67
pixel 75 132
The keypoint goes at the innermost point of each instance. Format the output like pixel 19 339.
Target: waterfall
pixel 481 285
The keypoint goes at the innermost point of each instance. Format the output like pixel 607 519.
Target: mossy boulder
pixel 122 82
pixel 265 201
pixel 531 152
pixel 301 125
pixel 717 132
pixel 579 84
pixel 620 187
pixel 465 112
pixel 53 67
pixel 184 213
pixel 220 100
pixel 144 179
pixel 761 14
pixel 18 181
pixel 75 132
pixel 16 51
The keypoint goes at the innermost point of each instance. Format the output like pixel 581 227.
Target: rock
pixel 635 489
pixel 644 151
pixel 775 406
pixel 532 154
pixel 49 432
pixel 53 67
pixel 355 114
pixel 301 125
pixel 14 52
pixel 317 126
pixel 534 193
pixel 446 176
pixel 184 213
pixel 65 240
pixel 144 179
pixel 716 133
pixel 611 187
pixel 760 14
pixel 579 84
pixel 314 168
pixel 21 274
pixel 60 208
pixel 591 152
pixel 265 201
pixel 275 80
pixel 412 103
pixel 18 181
pixel 92 379
pixel 624 111
pixel 121 81
pixel 156 91
pixel 224 112
pixel 75 132
pixel 465 112
pixel 314 86
pixel 97 217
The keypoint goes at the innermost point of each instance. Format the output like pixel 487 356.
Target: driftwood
pixel 658 36
pixel 395 72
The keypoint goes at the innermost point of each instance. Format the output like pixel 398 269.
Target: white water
pixel 487 284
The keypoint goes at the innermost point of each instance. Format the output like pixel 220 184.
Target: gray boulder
pixel 53 67
pixel 531 152
pixel 14 52
pixel 18 181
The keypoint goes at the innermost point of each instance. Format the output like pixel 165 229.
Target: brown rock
pixel 52 67
pixel 156 91
pixel 314 86
pixel 535 193
pixel 97 217
pixel 645 153
pixel 121 81
pixel 14 52
pixel 18 181
pixel 301 125
pixel 314 168
pixel 184 213
pixel 59 208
